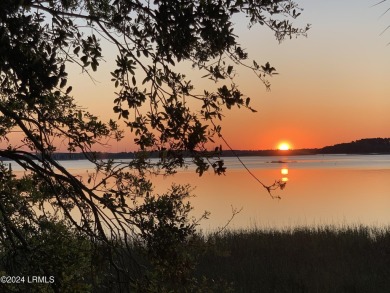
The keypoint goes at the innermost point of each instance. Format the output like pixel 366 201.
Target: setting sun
pixel 284 146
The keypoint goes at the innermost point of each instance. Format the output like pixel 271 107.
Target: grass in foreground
pixel 327 259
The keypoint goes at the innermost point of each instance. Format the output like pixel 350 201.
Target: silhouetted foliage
pixel 115 205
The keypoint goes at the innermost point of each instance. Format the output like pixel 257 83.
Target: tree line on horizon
pixel 361 146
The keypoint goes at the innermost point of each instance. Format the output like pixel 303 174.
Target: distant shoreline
pixel 224 154
pixel 368 146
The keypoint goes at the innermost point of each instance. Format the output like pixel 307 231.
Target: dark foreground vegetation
pixel 354 259
pixel 327 259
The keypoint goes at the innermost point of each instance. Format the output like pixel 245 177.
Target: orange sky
pixel 333 86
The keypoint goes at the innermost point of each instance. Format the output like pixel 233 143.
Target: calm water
pixel 321 190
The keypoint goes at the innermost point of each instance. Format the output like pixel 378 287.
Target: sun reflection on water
pixel 284 171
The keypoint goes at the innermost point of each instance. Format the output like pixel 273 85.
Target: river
pixel 320 190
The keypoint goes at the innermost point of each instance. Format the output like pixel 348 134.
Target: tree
pixel 115 205
pixel 386 11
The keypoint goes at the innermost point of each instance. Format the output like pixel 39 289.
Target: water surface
pixel 320 190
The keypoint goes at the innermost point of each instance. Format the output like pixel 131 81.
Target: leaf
pixel 116 109
pixel 266 67
pixel 68 90
pixel 125 114
pixel 146 80
pixel 63 82
pixel 84 59
pixel 76 50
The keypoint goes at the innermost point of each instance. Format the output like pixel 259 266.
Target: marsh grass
pixel 321 259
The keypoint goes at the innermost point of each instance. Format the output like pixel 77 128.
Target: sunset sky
pixel 332 87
